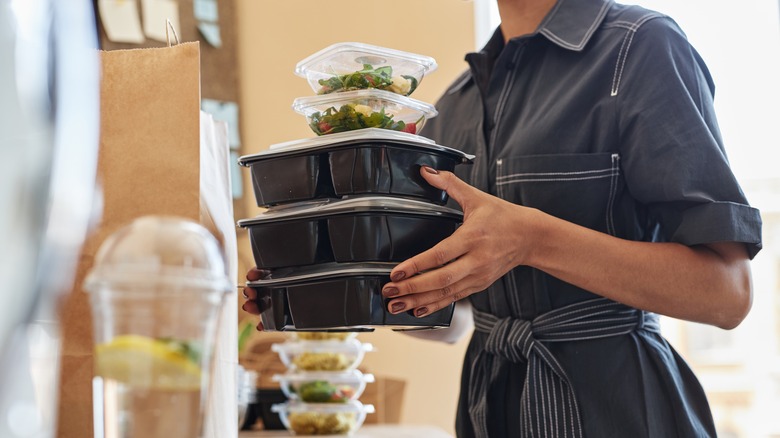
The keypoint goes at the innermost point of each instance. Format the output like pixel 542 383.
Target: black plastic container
pixel 362 229
pixel 336 296
pixel 366 161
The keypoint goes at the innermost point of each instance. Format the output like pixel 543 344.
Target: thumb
pixel 455 187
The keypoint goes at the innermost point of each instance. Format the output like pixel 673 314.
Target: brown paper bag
pixel 150 162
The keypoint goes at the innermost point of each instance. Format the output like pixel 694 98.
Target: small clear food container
pixel 361 229
pixel 322 355
pixel 361 109
pixel 323 336
pixel 354 66
pixel 336 296
pixel 367 161
pixel 323 418
pixel 323 386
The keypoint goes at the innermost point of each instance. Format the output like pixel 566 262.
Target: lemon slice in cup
pixel 144 362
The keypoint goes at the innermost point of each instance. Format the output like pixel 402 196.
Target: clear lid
pixel 351 346
pixel 323 271
pixel 362 135
pixel 349 138
pixel 159 250
pixel 336 377
pixel 342 59
pixel 310 104
pixel 362 204
pixel 324 408
pixel 329 335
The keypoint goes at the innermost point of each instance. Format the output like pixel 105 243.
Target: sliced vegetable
pixel 351 116
pixel 320 391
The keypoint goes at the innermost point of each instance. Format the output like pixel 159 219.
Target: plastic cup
pixel 156 290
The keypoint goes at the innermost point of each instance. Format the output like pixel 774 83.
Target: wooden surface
pixel 367 431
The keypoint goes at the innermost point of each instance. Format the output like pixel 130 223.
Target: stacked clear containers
pixel 342 209
pixel 364 86
pixel 322 383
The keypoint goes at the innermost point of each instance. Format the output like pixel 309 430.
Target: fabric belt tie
pixel 548 406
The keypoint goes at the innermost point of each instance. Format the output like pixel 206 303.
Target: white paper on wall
pixel 121 21
pixel 156 13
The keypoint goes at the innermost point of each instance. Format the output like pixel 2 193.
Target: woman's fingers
pixel 438 279
pixel 249 293
pixel 255 274
pixel 441 254
pixel 256 305
pixel 456 188
pixel 425 303
pixel 251 307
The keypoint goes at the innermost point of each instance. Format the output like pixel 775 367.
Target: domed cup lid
pixel 159 251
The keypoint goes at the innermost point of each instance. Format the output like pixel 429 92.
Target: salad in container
pixel 323 418
pixel 323 386
pixel 322 355
pixel 360 109
pixel 357 66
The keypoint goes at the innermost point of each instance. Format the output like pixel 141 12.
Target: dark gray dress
pixel 603 117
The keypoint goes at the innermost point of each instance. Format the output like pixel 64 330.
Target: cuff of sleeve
pixel 720 222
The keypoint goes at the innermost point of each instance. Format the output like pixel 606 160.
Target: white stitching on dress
pixel 582 178
pixel 613 185
pixel 585 37
pixel 623 54
pixel 504 96
pixel 580 172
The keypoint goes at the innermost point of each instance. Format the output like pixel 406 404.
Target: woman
pixel 601 196
pixel 600 179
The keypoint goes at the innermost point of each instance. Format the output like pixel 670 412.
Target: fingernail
pixel 421 311
pixel 398 276
pixel 397 307
pixel 431 170
pixel 244 294
pixel 390 292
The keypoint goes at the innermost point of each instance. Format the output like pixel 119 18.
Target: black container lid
pixel 329 271
pixel 362 204
pixel 352 138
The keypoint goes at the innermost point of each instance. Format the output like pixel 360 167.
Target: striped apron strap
pixel 548 407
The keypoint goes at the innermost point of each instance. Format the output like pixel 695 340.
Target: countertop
pixel 367 431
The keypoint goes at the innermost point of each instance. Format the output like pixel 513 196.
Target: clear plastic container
pixel 352 66
pixel 323 418
pixel 322 355
pixel 323 386
pixel 156 291
pixel 360 109
pixel 323 336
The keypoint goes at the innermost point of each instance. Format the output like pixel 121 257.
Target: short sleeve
pixel 671 149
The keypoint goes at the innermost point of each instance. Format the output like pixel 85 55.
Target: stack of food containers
pixel 322 383
pixel 342 209
pixel 345 207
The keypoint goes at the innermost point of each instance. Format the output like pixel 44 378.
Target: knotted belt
pixel 548 407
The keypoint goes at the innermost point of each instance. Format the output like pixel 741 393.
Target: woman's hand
pixel 486 246
pixel 252 304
